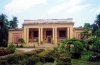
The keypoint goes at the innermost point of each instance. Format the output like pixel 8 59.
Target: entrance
pixel 49 39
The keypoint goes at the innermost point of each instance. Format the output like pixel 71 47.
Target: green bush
pixel 46 56
pixel 63 63
pixel 78 46
pixel 20 56
pixel 32 60
pixel 12 60
pixel 96 46
pixel 11 47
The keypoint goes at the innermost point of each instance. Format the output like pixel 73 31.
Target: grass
pixel 81 62
pixel 84 59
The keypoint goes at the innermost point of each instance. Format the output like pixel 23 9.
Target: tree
pixel 13 23
pixel 96 25
pixel 97 21
pixel 4 24
pixel 85 33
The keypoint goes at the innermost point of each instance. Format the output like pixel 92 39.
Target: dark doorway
pixel 49 39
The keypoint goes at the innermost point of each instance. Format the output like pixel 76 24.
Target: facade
pixel 45 31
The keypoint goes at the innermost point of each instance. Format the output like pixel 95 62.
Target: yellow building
pixel 46 31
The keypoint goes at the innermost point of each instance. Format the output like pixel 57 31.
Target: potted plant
pixel 21 40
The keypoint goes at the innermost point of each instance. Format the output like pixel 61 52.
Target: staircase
pixel 46 45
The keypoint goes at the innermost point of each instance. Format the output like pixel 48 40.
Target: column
pixel 27 36
pixel 55 35
pixel 31 36
pixel 39 35
pixel 71 32
pixel 42 34
pixel 68 33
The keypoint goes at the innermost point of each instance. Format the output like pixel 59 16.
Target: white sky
pixel 82 11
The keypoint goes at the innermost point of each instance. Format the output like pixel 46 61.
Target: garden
pixel 68 52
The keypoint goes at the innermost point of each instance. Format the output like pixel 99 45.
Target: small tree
pixel 21 40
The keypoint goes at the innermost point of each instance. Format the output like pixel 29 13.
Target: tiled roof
pixel 79 28
pixel 49 21
pixel 16 29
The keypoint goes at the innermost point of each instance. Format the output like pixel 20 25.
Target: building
pixel 45 31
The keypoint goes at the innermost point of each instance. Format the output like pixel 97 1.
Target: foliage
pixel 4 25
pixel 8 50
pixel 32 60
pixel 96 26
pixel 85 34
pixel 11 47
pixel 78 46
pixel 21 40
pixel 12 60
pixel 96 46
pixel 13 23
pixel 97 32
pixel 46 56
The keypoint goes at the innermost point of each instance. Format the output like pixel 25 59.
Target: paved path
pixel 25 49
pixel 42 46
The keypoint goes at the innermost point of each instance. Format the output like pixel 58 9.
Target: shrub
pixel 93 58
pixel 96 46
pixel 20 56
pixel 11 47
pixel 78 46
pixel 63 63
pixel 77 49
pixel 12 59
pixel 32 60
pixel 46 56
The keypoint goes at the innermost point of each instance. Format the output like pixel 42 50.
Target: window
pixel 48 33
pixel 62 33
pixel 35 33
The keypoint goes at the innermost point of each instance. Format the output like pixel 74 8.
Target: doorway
pixel 49 39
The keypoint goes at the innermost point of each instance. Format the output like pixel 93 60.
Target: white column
pixel 39 35
pixel 68 33
pixel 71 32
pixel 27 35
pixel 42 34
pixel 55 35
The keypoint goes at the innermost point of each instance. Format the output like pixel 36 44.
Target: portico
pixel 46 35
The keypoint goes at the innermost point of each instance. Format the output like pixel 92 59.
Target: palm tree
pixel 21 40
pixel 13 23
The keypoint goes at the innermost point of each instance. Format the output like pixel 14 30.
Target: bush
pixel 32 60
pixel 11 47
pixel 93 58
pixel 3 52
pixel 96 46
pixel 63 63
pixel 78 46
pixel 20 56
pixel 12 59
pixel 46 56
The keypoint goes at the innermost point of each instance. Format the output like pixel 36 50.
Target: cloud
pixel 96 10
pixel 70 5
pixel 19 6
pixel 75 9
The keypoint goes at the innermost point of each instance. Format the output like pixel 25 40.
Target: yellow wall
pixel 11 32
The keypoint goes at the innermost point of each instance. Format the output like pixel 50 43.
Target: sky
pixel 82 11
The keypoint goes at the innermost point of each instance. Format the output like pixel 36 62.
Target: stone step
pixel 45 45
